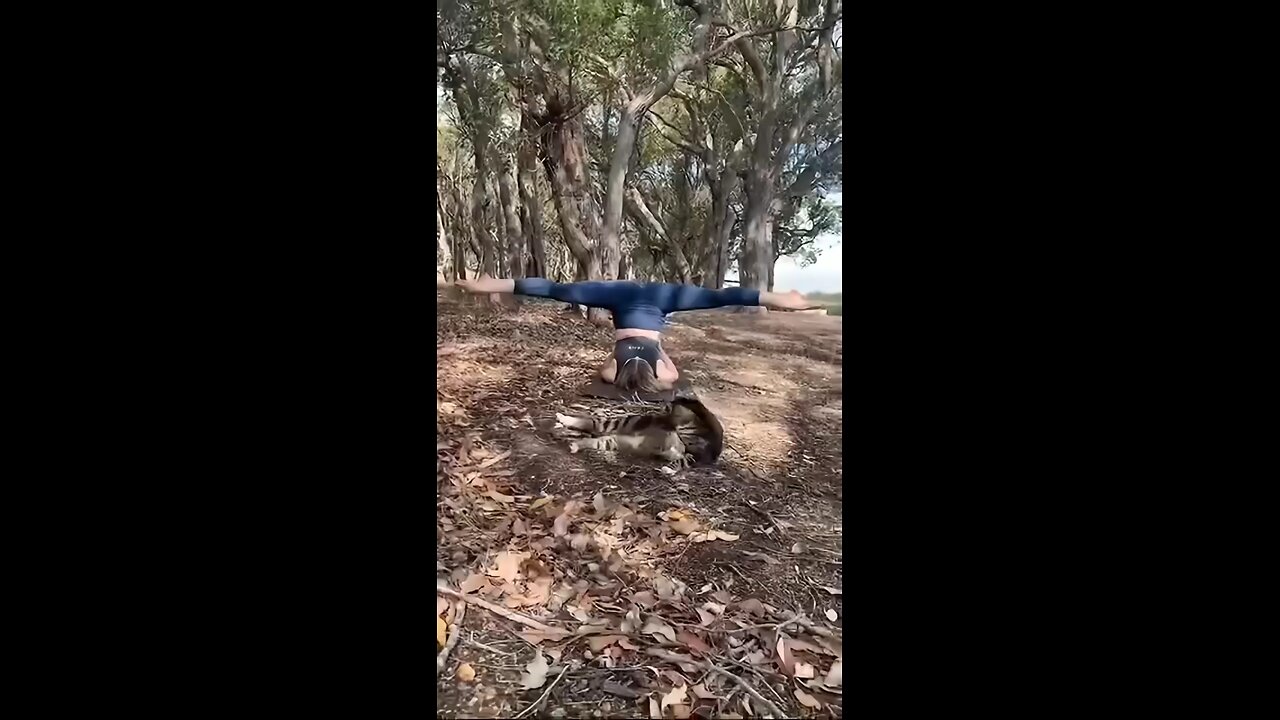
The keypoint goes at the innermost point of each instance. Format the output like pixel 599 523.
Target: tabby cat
pixel 688 433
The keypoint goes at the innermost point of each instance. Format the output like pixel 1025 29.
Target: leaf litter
pixel 572 575
pixel 585 584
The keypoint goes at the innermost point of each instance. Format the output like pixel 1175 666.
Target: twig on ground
pixel 763 679
pixel 812 627
pixel 781 530
pixel 489 648
pixel 498 610
pixel 443 657
pixel 708 665
pixel 746 687
pixel 772 626
pixel 542 697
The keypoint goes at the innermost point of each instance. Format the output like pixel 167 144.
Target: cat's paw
pixel 573 447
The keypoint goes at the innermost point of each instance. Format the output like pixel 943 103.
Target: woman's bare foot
pixel 792 300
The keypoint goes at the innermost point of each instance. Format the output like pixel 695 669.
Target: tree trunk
pixel 444 257
pixel 515 237
pixel 495 220
pixel 628 129
pixel 478 224
pixel 565 158
pixel 757 240
pixel 624 145
pixel 466 98
pixel 530 205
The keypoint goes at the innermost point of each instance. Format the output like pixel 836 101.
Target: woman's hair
pixel 636 375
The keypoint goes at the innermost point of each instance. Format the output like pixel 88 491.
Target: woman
pixel 638 362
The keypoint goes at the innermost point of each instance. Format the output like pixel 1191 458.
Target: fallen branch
pixel 746 687
pixel 542 697
pixel 498 610
pixel 763 679
pixel 443 657
pixel 489 648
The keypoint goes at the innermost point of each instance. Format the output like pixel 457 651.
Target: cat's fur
pixel 688 433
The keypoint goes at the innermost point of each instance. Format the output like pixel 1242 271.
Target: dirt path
pixel 584 542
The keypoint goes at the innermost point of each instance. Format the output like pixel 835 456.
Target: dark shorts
pixel 644 348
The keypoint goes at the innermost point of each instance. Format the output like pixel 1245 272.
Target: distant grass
pixel 833 302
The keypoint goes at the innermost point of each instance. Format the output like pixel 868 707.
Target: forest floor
pixel 599 586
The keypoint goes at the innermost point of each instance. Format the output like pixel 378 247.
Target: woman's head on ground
pixel 637 359
pixel 637 375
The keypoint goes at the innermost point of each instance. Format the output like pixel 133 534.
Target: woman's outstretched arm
pixel 602 294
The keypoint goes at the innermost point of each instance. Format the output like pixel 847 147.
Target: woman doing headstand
pixel 638 362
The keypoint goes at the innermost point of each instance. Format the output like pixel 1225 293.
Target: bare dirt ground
pixel 599 586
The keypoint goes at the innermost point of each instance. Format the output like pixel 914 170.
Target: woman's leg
pixel 673 298
pixel 596 293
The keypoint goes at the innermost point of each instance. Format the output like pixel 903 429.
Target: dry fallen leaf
pixel 508 565
pixel 602 506
pixel 831 615
pixel 561 525
pixel 702 692
pixel 685 526
pixel 441 628
pixel 474 582
pixel 533 637
pixel 620 690
pixel 600 642
pixel 494 459
pixel 536 676
pixel 713 608
pixel 785 660
pixel 442 604
pixel 834 678
pixel 657 627
pixel 645 599
pixel 676 696
pixel 804 670
pixel 833 591
pixel 806 699
pixel 693 642
pixel 539 503
pixel 799 643
pixel 466 673
pixel 752 606
pixel 798 548
pixel 722 596
pixel 500 497
pixel 675 678
pixel 655 712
